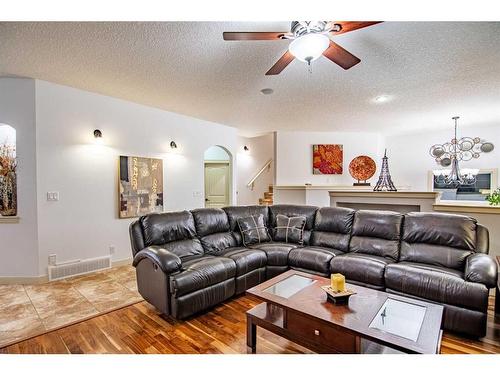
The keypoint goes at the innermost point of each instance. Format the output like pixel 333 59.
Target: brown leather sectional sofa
pixel 189 261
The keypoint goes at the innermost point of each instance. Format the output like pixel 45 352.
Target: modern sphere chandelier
pixel 451 153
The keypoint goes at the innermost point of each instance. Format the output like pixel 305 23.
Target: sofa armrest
pixel 481 268
pixel 166 260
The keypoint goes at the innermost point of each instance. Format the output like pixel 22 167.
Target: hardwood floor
pixel 140 329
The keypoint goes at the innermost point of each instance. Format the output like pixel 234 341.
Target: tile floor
pixel 30 310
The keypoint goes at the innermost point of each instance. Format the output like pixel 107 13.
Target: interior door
pixel 216 184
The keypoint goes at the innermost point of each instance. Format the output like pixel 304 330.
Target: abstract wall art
pixel 141 186
pixel 328 159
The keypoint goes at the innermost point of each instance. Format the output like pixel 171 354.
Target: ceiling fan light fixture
pixel 309 47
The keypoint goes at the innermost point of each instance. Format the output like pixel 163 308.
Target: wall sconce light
pixel 98 137
pixel 173 145
pixel 245 148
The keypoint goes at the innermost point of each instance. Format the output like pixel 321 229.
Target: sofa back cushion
pixel 210 220
pixel 290 210
pixel 136 237
pixel 212 227
pixel 482 239
pixel 238 212
pixel 438 239
pixel 332 228
pixel 376 233
pixel 174 231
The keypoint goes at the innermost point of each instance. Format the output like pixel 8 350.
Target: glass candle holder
pixel 337 282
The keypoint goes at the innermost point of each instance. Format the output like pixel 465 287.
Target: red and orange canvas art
pixel 328 159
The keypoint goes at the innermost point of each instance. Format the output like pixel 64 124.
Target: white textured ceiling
pixel 432 70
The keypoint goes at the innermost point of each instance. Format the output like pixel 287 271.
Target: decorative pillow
pixel 290 229
pixel 253 230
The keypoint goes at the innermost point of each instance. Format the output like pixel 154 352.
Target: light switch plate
pixel 52 259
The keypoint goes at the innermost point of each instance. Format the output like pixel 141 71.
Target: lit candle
pixel 338 282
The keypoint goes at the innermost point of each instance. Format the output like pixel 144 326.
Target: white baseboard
pixel 45 278
pixel 24 279
pixel 122 262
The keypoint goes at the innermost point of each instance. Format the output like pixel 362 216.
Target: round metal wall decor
pixel 362 168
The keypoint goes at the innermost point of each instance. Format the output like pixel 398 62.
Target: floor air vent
pixel 81 267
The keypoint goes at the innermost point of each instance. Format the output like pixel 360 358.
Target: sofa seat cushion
pixel 363 268
pixel 277 252
pixel 200 273
pixel 247 260
pixel 437 284
pixel 314 258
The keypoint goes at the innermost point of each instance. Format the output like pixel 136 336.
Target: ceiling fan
pixel 309 40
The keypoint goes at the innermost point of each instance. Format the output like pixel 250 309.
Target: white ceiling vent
pixel 81 267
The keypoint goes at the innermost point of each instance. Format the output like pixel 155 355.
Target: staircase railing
pixel 267 166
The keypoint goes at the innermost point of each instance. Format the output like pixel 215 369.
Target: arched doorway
pixel 218 167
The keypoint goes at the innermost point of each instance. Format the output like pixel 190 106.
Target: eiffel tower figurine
pixel 384 182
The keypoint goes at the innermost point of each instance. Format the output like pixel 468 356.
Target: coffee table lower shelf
pixel 308 332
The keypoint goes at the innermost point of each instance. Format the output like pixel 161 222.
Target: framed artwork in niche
pixel 141 186
pixel 328 159
pixel 8 171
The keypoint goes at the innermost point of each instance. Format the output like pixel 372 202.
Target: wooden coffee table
pixel 296 308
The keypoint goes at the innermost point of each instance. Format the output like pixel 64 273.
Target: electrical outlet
pixel 52 259
pixel 112 249
pixel 52 196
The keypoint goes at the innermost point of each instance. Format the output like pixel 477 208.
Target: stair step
pixel 268 197
pixel 266 202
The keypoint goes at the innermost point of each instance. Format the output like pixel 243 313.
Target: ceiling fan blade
pixel 281 64
pixel 263 35
pixel 348 26
pixel 340 56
